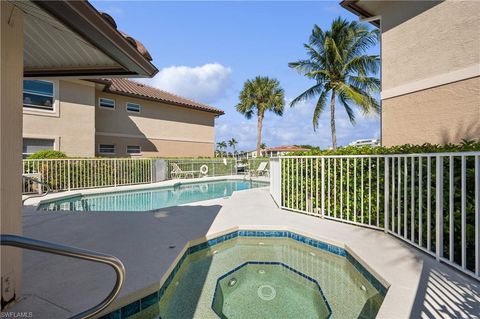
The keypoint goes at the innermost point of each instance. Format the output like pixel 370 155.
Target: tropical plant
pixel 233 144
pixel 339 64
pixel 221 146
pixel 263 146
pixel 47 154
pixel 258 96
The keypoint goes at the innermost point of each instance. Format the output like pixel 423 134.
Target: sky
pixel 207 50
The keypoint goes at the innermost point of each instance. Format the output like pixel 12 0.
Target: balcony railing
pixel 430 201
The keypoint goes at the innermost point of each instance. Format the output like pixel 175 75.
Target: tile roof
pixel 143 91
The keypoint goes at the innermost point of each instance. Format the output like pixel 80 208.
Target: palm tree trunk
pixel 259 133
pixel 332 121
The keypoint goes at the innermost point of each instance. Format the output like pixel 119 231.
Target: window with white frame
pixel 106 149
pixel 133 107
pixel 33 145
pixel 38 94
pixel 106 103
pixel 134 149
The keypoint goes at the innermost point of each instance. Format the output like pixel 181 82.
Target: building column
pixel 11 83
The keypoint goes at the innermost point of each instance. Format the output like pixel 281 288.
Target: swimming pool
pixel 262 274
pixel 150 199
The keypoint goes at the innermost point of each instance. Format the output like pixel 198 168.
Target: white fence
pixel 191 168
pixel 430 201
pixel 69 174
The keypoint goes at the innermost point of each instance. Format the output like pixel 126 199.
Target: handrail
pixel 74 252
pixel 49 189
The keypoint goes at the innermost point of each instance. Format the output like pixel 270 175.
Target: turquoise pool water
pixel 262 274
pixel 151 199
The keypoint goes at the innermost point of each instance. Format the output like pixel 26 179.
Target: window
pixel 106 103
pixel 133 149
pixel 106 149
pixel 38 94
pixel 133 107
pixel 32 145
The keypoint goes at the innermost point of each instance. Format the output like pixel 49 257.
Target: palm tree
pixel 338 63
pixel 221 146
pixel 233 143
pixel 258 96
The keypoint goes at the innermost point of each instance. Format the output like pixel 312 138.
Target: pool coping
pixel 133 303
pixel 35 202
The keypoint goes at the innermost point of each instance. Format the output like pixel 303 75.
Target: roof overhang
pixel 357 8
pixel 73 39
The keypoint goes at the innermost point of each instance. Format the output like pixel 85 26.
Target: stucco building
pixel 430 52
pixel 114 118
pixel 42 39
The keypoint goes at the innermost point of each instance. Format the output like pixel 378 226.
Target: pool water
pixel 151 199
pixel 282 283
pixel 271 291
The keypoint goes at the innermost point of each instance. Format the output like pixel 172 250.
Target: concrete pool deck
pixel 149 242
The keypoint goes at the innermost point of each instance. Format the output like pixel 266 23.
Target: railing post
pixel 386 194
pixel 152 169
pixel 477 215
pixel 68 175
pixel 439 208
pixel 115 172
pixel 323 187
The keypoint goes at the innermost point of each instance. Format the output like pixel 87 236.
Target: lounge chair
pixel 177 172
pixel 261 170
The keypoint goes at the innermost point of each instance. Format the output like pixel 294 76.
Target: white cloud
pixel 206 83
pixel 295 127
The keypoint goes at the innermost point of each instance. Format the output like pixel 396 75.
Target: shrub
pixel 47 154
pixel 345 199
pixel 464 146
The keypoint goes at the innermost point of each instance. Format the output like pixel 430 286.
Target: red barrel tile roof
pixel 143 91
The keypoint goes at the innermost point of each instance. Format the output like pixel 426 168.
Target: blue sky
pixel 206 50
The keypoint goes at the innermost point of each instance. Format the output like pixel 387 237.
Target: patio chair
pixel 261 170
pixel 177 172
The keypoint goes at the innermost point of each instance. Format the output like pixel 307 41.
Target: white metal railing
pixel 191 168
pixel 275 179
pixel 430 201
pixel 69 174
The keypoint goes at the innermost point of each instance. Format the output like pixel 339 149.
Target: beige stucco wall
pixel 160 129
pixel 72 124
pixel 422 39
pixel 11 66
pixel 430 54
pixel 440 115
pixel 156 147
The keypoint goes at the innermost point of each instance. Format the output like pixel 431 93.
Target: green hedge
pixel 465 146
pixel 305 175
pixel 47 154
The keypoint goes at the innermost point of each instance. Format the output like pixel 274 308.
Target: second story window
pixel 38 94
pixel 133 149
pixel 133 107
pixel 106 103
pixel 106 149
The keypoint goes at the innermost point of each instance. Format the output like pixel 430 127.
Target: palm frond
pixel 308 94
pixel 345 102
pixel 319 108
pixel 362 65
